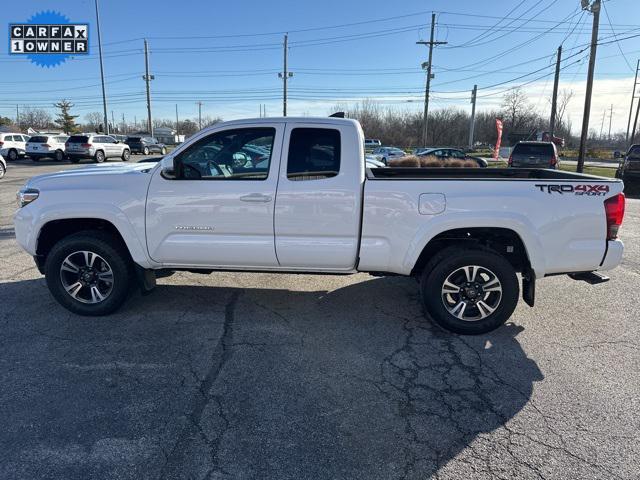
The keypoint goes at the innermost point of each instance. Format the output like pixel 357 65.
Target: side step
pixel 592 278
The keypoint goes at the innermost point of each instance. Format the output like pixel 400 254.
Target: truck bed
pixel 404 173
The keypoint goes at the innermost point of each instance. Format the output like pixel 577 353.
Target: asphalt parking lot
pixel 242 376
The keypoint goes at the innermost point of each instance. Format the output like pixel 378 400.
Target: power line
pixel 604 6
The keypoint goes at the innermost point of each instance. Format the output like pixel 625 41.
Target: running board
pixel 591 278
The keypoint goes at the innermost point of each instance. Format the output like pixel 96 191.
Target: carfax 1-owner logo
pixel 48 38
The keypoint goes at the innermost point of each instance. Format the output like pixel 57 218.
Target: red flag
pixel 496 152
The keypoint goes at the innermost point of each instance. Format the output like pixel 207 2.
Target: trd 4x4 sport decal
pixel 582 189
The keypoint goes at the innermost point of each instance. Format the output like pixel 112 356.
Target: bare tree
pixel 93 121
pixel 563 101
pixel 515 108
pixel 36 118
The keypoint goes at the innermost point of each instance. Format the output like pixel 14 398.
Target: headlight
pixel 26 195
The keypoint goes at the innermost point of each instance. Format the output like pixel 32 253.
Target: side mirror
pixel 168 168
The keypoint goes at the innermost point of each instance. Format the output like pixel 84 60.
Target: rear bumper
pixel 613 256
pixel 40 154
pixel 79 154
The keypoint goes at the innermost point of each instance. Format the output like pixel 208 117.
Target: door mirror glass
pixel 168 169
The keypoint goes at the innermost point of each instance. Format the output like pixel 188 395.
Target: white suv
pixel 96 147
pixel 12 145
pixel 43 146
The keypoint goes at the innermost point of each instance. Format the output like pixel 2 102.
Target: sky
pixel 227 55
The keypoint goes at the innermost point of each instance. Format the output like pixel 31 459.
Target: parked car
pixel 13 145
pixel 314 208
pixel 46 146
pixel 534 155
pixel 145 145
pixel 371 143
pixel 120 138
pixel 372 162
pixel 3 166
pixel 629 170
pixel 95 147
pixel 451 154
pixel 384 154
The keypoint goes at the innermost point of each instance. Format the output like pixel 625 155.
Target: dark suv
pixel 629 170
pixel 145 145
pixel 534 155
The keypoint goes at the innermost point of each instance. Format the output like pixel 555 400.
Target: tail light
pixel 554 161
pixel 614 209
pixel 46 145
pixel 1 143
pixel 510 161
pixel 86 145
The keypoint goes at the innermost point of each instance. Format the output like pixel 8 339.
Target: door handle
pixel 256 198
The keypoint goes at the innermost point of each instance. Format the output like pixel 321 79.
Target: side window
pixel 241 154
pixel 314 154
pixel 97 139
pixel 457 154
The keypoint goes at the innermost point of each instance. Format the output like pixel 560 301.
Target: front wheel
pixel 146 151
pixel 469 291
pixel 12 155
pixel 89 273
pixel 163 151
pixel 126 155
pixel 2 170
pixel 59 156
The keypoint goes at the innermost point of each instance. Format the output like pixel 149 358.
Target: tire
pixel 126 155
pixel 145 151
pixel 3 170
pixel 58 156
pixel 12 155
pixel 163 151
pixel 74 159
pixel 483 311
pixel 99 156
pixel 110 260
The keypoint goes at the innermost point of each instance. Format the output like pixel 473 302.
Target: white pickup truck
pixel 294 195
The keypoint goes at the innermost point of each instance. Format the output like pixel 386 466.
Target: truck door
pixel 317 214
pixel 216 208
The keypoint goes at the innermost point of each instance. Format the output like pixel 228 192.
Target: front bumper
pixel 613 256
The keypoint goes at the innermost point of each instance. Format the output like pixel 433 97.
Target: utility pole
pixel 610 117
pixel 113 122
pixel 285 75
pixel 635 124
pixel 124 128
pixel 472 123
pixel 147 78
pixel 431 44
pixel 604 114
pixel 260 111
pixel 177 121
pixel 199 115
pixel 633 96
pixel 554 99
pixel 595 9
pixel 104 94
pixel 18 116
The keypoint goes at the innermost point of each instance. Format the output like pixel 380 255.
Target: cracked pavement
pixel 243 376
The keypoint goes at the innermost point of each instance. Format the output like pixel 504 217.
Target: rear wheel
pixel 163 151
pixel 469 291
pixel 58 156
pixel 146 150
pixel 12 155
pixel 3 170
pixel 99 157
pixel 89 273
pixel 126 155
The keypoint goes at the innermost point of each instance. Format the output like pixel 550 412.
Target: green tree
pixel 5 121
pixel 65 120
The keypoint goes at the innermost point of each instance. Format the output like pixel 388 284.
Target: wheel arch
pixel 55 230
pixel 504 241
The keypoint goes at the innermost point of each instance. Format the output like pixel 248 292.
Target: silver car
pixel 384 154
pixel 96 147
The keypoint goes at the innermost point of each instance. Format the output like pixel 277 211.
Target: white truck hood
pixel 92 171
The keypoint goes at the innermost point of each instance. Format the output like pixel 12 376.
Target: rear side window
pixel 532 150
pixel 78 139
pixel 634 152
pixel 314 154
pixel 37 139
pixel 133 139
